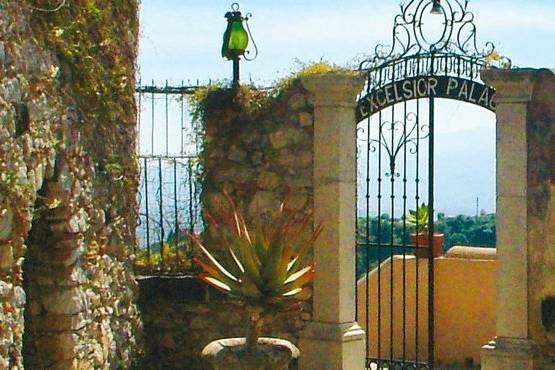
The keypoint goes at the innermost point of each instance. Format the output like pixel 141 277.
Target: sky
pixel 181 40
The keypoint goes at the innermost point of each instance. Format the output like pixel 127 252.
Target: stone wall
pixel 181 315
pixel 259 155
pixel 67 184
pixel 541 213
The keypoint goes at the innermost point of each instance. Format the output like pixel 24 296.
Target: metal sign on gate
pixel 433 55
pixel 422 87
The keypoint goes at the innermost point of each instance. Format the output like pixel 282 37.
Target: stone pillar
pixel 333 340
pixel 514 348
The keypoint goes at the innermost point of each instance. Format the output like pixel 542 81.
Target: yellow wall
pixel 464 305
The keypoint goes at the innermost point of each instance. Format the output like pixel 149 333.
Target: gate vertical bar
pixel 379 232
pixel 404 242
pixel 152 121
pixel 356 230
pixel 431 224
pixel 138 148
pixel 417 230
pixel 147 217
pixel 392 169
pixel 182 116
pixel 367 238
pixel 139 111
pixel 166 97
pixel 431 235
pixel 161 210
pixel 176 214
pixel 191 199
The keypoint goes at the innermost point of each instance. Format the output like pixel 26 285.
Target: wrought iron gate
pixel 169 194
pixel 395 139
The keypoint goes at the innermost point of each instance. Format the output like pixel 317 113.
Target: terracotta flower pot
pixel 232 354
pixel 422 251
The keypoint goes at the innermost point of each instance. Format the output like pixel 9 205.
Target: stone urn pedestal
pixel 232 354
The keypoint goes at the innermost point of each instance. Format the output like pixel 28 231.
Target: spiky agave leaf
pixel 278 273
pixel 293 292
pixel 289 301
pixel 214 263
pixel 214 272
pixel 270 269
pixel 297 294
pixel 233 263
pixel 214 282
pixel 236 260
pixel 260 243
pixel 299 259
pixel 265 266
pixel 233 233
pixel 301 277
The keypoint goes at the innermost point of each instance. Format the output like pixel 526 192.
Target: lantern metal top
pixel 235 14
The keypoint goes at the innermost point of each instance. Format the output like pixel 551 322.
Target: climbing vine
pixel 246 104
pixel 96 76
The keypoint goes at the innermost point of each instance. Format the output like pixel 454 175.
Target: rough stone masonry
pixel 67 183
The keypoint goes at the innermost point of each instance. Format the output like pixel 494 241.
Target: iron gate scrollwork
pixel 395 154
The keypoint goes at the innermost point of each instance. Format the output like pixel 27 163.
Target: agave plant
pixel 263 265
pixel 419 218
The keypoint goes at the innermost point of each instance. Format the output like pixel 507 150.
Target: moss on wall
pixel 68 180
pixel 95 43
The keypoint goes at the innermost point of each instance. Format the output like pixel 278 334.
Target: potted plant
pixel 419 219
pixel 264 268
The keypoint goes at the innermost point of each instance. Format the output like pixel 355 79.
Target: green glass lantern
pixel 236 38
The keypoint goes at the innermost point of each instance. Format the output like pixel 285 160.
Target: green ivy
pixel 219 99
pixel 96 78
pixel 305 69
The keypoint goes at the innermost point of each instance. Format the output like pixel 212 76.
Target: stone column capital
pixel 333 89
pixel 511 85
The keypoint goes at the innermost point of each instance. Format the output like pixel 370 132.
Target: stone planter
pixel 231 354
